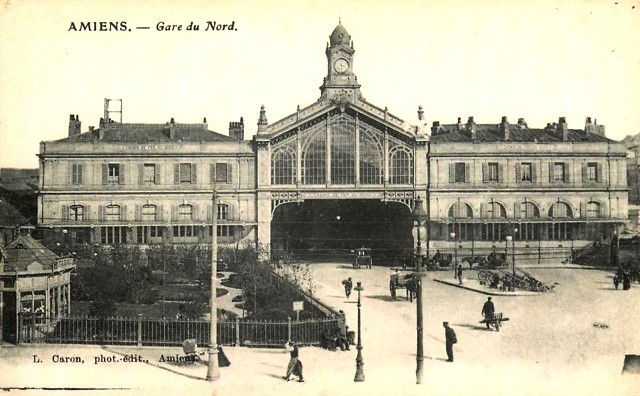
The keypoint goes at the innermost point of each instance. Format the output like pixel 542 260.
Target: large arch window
pixel 400 165
pixel 529 210
pixel 593 210
pixel 314 156
pixel 371 155
pixel 495 210
pixel 461 210
pixel 342 150
pixel 560 210
pixel 283 165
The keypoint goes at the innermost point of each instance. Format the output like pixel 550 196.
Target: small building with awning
pixel 33 279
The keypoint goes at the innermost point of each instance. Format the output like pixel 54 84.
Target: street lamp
pixel 213 371
pixel 419 215
pixel 512 283
pixel 455 252
pixel 359 362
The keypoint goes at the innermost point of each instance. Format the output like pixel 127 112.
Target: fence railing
pixel 36 328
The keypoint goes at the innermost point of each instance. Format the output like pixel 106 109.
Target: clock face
pixel 341 65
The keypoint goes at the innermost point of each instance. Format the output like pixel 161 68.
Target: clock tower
pixel 340 80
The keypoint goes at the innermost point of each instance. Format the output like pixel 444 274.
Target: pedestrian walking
pixel 348 285
pixel 459 273
pixel 450 339
pixel 488 311
pixel 295 365
pixel 616 281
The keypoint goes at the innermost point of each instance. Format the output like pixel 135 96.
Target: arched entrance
pixel 330 229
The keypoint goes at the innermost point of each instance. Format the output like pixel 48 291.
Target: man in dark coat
pixel 348 285
pixel 450 339
pixel 488 310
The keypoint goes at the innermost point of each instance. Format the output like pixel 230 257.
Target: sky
pixel 539 60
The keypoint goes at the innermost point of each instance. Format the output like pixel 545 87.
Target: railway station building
pixel 338 174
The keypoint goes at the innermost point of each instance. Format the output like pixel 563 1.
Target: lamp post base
pixel 213 371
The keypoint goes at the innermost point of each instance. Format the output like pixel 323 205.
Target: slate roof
pixel 487 133
pixel 23 251
pixel 146 133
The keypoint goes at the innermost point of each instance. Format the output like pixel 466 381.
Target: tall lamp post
pixel 359 362
pixel 455 253
pixel 511 238
pixel 213 371
pixel 419 215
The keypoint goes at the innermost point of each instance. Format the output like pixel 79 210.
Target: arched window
pixel 149 212
pixel 76 213
pixel 371 155
pixel 495 210
pixel 461 210
pixel 342 150
pixel 185 212
pixel 400 165
pixel 314 155
pixel 529 210
pixel 283 165
pixel 593 210
pixel 112 213
pixel 560 210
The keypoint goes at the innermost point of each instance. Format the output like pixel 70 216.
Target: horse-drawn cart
pixel 400 279
pixel 362 258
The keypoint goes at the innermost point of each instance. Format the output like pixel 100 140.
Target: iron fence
pixel 36 328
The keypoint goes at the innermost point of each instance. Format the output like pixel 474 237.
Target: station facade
pixel 338 173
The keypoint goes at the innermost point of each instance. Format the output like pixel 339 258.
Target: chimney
pixel 459 125
pixel 436 128
pixel 504 128
pixel 262 120
pixel 562 128
pixel 471 128
pixel 420 113
pixel 171 126
pixel 91 128
pixel 205 126
pixel 522 124
pixel 74 125
pixel 236 130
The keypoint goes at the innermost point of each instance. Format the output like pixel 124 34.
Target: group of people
pixel 623 277
pixel 337 338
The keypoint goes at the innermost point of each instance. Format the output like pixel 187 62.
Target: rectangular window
pixel 149 174
pixel 224 231
pixel 113 235
pixel 76 213
pixel 221 172
pixel 223 211
pixel 112 213
pixel 149 212
pixel 492 172
pixel 184 231
pixel 591 172
pixel 558 172
pixel 76 174
pixel 155 232
pixel 185 173
pixel 113 173
pixel 142 234
pixel 460 172
pixel 526 174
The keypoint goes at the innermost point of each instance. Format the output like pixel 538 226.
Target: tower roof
pixel 339 36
